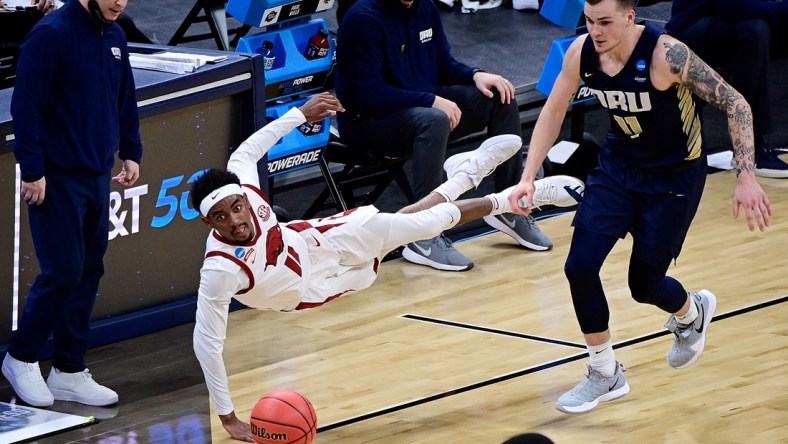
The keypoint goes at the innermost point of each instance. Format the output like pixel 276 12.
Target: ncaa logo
pixel 264 212
pixel 240 253
pixel 641 65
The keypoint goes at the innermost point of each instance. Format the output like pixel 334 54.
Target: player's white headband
pixel 216 195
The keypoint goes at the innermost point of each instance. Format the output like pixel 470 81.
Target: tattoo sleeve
pixel 707 84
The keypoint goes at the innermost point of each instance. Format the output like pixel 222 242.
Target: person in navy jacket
pixel 405 94
pixel 73 108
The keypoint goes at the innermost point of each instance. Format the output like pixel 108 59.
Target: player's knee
pixel 577 271
pixel 644 292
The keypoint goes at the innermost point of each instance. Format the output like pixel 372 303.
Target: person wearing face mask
pixel 73 108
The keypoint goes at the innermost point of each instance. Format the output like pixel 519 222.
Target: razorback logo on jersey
pixel 264 212
pixel 274 245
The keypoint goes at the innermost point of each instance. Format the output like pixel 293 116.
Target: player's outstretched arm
pixel 677 60
pixel 210 329
pixel 243 162
pixel 548 125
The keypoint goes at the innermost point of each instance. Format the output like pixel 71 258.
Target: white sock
pixel 602 358
pixel 453 188
pixel 691 314
pixel 500 202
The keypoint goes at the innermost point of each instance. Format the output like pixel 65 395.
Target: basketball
pixel 283 417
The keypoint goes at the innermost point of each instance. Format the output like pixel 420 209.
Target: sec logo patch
pixel 264 212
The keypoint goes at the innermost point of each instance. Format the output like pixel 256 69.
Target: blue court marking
pixel 527 371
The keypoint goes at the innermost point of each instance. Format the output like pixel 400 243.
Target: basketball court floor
pixel 426 356
pixel 476 357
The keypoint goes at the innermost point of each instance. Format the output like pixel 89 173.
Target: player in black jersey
pixel 651 174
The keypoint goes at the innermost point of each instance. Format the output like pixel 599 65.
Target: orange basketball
pixel 283 417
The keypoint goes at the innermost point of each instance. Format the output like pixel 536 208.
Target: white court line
pixel 17 226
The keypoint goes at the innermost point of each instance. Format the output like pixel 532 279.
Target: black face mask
pixel 95 12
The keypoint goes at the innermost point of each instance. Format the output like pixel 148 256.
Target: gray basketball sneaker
pixel 480 162
pixel 522 228
pixel 595 388
pixel 438 253
pixel 689 340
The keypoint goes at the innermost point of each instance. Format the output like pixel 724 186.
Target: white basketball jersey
pixel 274 260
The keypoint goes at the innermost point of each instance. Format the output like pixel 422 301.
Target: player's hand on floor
pixel 236 428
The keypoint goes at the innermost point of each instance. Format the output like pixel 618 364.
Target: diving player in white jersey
pixel 302 264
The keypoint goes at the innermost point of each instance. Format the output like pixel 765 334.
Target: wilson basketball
pixel 283 417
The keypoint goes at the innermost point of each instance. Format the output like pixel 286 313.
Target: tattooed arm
pixel 675 63
pixel 692 72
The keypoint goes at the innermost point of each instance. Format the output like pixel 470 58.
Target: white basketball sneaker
pixel 559 191
pixel 479 163
pixel 79 387
pixel 26 379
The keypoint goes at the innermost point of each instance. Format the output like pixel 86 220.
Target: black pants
pixel 424 134
pixel 69 231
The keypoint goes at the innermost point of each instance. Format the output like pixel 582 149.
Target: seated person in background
pixel 406 95
pixel 735 36
pixel 303 264
pixel 45 6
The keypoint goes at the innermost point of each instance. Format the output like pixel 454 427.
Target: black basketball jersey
pixel 651 129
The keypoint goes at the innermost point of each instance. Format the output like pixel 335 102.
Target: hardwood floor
pixel 426 356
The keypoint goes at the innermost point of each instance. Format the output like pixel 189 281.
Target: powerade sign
pixel 295 161
pixel 296 85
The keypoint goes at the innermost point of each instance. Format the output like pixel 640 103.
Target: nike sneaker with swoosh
pixel 479 163
pixel 689 340
pixel 523 229
pixel 592 390
pixel 438 253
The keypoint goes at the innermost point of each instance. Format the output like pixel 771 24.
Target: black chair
pixel 363 178
pixel 213 12
pixel 14 26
